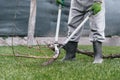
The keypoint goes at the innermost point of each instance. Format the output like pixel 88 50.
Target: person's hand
pixel 96 7
pixel 61 2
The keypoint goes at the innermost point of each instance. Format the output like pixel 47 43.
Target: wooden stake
pixel 32 21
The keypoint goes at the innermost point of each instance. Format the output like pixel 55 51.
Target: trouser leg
pixel 97 25
pixel 76 16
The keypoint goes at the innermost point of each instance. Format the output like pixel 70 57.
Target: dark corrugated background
pixel 47 16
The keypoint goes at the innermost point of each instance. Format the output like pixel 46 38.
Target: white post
pixel 31 24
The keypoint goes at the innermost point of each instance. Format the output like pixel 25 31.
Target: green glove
pixel 61 2
pixel 96 7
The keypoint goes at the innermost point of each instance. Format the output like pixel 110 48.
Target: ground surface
pixel 14 68
pixel 110 41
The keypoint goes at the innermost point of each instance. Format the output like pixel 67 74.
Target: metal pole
pixel 58 23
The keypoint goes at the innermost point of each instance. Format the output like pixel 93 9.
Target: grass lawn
pixel 17 68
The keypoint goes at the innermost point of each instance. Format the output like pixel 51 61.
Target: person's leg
pixel 76 16
pixel 97 23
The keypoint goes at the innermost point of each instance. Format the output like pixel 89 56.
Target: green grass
pixel 14 68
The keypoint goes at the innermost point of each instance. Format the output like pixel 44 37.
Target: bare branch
pixel 26 56
pixel 88 53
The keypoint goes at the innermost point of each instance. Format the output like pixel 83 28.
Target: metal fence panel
pixel 14 15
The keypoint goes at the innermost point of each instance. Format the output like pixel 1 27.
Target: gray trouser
pixel 76 16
